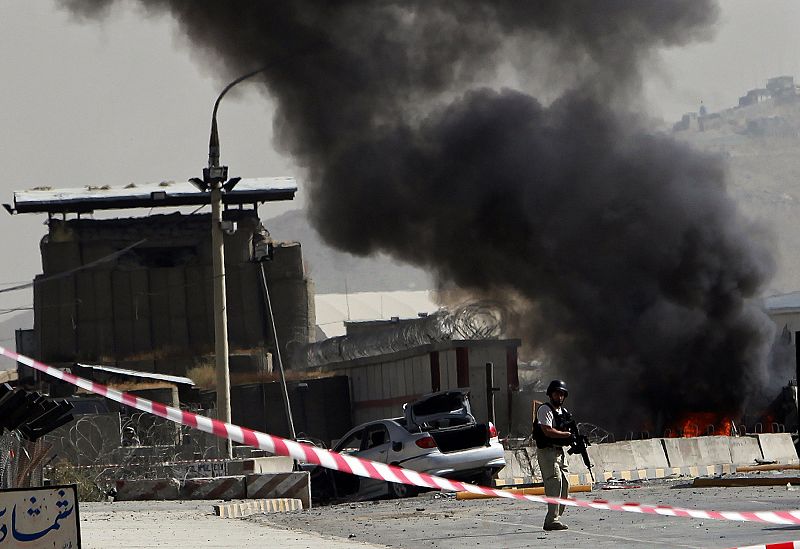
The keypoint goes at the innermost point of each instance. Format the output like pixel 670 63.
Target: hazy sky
pixel 126 101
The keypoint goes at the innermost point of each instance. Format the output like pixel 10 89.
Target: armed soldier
pixel 551 430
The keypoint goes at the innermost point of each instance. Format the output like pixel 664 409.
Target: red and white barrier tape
pixel 372 469
pixel 781 545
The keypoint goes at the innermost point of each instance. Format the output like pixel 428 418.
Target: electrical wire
pixel 104 259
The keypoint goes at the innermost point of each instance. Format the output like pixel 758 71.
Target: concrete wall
pixel 262 485
pixel 659 458
pixel 713 450
pixel 478 357
pixel 292 302
pixel 150 309
pixel 616 456
pixel 744 450
pixel 320 409
pixel 649 454
pixel 778 447
pixel 380 385
pixel 683 452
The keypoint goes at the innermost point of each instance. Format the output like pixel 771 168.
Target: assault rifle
pixel 578 444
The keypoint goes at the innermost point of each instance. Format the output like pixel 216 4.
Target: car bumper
pixel 458 465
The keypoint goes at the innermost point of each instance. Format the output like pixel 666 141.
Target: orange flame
pixel 702 424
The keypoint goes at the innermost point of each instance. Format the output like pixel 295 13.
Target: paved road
pixel 188 524
pixel 433 521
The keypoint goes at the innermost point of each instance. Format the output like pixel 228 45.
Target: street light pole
pixel 220 314
pixel 214 177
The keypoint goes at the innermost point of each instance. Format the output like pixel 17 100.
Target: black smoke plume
pixel 630 266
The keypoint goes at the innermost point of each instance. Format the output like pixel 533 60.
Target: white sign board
pixel 40 517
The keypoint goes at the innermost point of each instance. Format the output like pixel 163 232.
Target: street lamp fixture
pixel 214 181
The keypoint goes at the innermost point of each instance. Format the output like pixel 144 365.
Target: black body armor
pixel 561 422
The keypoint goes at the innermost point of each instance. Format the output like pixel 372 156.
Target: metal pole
pixel 220 314
pixel 490 390
pixel 284 390
pixel 796 374
pixel 213 180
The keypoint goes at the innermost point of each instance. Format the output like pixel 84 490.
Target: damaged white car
pixel 437 435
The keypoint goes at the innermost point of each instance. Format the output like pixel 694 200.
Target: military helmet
pixel 557 385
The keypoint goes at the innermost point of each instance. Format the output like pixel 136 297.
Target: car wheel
pixel 398 491
pixel 486 479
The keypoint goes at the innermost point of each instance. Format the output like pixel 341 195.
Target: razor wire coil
pixel 469 321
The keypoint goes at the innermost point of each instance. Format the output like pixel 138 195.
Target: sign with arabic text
pixel 40 517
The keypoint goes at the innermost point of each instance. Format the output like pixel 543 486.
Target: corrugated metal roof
pixel 782 301
pixel 141 195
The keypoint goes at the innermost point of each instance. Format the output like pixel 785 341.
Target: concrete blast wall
pixel 659 458
pixel 778 447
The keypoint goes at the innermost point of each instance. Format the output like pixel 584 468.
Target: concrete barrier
pixel 629 460
pixel 649 454
pixel 145 490
pixel 660 458
pixel 270 464
pixel 612 458
pixel 247 508
pixel 644 459
pixel 681 452
pixel 521 468
pixel 697 451
pixel 744 450
pixel 714 450
pixel 700 456
pixel 213 488
pixel 577 466
pixel 778 447
pixel 280 485
pixel 579 474
pixel 514 465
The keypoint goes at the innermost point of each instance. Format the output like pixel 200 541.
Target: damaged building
pixel 396 361
pixel 136 292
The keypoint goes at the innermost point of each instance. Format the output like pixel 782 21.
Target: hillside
pixel 761 144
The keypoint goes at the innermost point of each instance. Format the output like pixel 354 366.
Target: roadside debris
pixel 534 491
pixel 743 482
pixel 767 467
pixel 619 484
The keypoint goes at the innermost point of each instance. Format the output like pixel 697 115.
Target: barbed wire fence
pixel 21 461
pixel 474 320
pixel 97 450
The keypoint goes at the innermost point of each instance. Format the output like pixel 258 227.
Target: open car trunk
pixel 447 417
pixel 454 439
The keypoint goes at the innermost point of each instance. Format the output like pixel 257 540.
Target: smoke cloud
pixel 630 267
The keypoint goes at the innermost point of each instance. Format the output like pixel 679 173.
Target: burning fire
pixel 701 424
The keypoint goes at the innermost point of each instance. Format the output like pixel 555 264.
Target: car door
pixel 347 484
pixel 375 446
